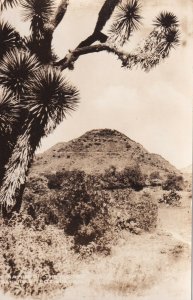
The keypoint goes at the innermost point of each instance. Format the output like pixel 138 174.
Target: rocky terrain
pixel 96 151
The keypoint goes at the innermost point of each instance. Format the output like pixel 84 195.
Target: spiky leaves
pixel 38 13
pixel 172 39
pixel 9 113
pixel 9 120
pixel 9 38
pixel 50 97
pixel 166 20
pixel 127 20
pixel 8 3
pixel 42 9
pixel 156 47
pixel 15 70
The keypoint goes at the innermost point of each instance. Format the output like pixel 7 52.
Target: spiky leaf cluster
pixel 155 48
pixel 16 69
pixel 127 20
pixel 9 113
pixel 38 13
pixel 172 38
pixel 43 9
pixel 8 3
pixel 50 97
pixel 9 38
pixel 166 20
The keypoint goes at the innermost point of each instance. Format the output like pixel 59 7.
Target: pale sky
pixel 154 109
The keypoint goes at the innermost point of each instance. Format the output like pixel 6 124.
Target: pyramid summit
pixel 97 150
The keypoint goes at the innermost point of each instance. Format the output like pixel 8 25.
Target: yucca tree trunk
pixel 17 169
pixel 8 213
pixel 6 148
pixel 4 156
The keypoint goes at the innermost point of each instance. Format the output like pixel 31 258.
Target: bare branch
pixel 60 12
pixel 103 16
pixel 96 36
pixel 105 13
pixel 72 56
pixel 49 27
pixel 57 18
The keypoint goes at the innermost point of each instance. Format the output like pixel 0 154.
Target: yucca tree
pixel 35 96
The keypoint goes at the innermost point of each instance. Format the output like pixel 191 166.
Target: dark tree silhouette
pixel 34 94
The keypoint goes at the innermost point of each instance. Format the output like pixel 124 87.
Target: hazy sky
pixel 154 109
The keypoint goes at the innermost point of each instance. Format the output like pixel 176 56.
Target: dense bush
pixel 37 184
pixel 137 211
pixel 74 202
pixel 34 263
pixel 174 182
pixel 155 179
pixel 63 212
pixel 155 175
pixel 86 208
pixel 111 179
pixel 171 198
pixel 129 177
pixel 133 177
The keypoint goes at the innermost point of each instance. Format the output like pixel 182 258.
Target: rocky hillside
pixel 96 151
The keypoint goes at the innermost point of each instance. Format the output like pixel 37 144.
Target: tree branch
pixel 103 16
pixel 60 12
pixel 154 49
pixel 50 26
pixel 72 56
pixel 57 18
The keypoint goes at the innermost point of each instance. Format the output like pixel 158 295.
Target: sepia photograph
pixel 96 149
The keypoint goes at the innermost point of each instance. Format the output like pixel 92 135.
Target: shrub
pixel 130 177
pixel 111 179
pixel 77 203
pixel 133 177
pixel 74 202
pixel 171 198
pixel 34 263
pixel 155 175
pixel 174 182
pixel 136 211
pixel 86 214
pixel 37 184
